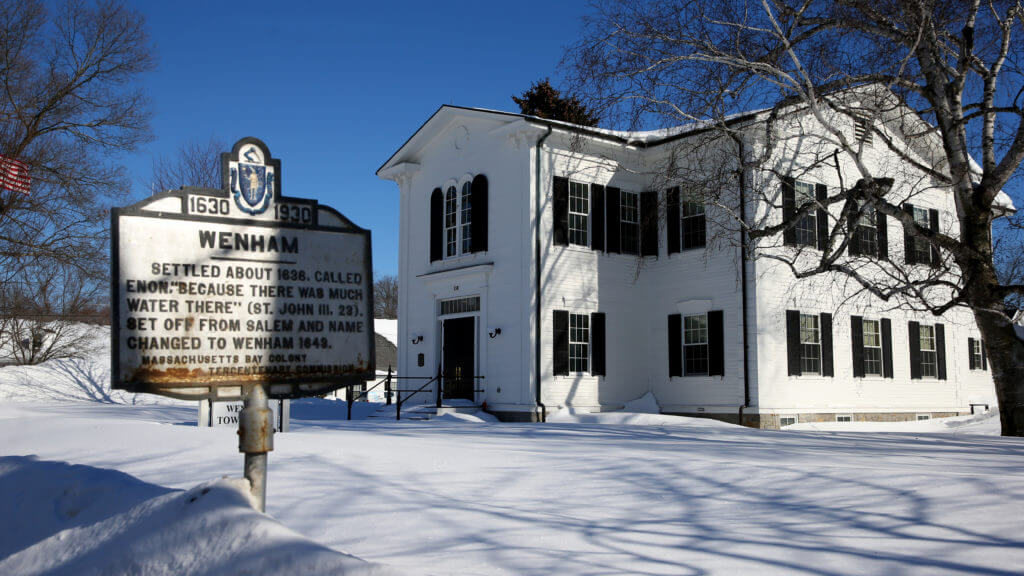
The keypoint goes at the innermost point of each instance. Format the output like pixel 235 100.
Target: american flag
pixel 14 175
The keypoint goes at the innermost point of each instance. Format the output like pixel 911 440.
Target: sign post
pixel 240 294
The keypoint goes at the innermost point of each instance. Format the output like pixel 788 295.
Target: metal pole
pixel 398 405
pixel 255 439
pixel 387 388
pixel 438 385
pixel 348 400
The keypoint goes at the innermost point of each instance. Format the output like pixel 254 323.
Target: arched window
pixel 466 217
pixel 451 222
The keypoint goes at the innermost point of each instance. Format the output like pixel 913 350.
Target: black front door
pixel 457 355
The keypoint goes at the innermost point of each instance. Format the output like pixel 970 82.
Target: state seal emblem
pixel 252 181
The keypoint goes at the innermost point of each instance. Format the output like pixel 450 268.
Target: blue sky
pixel 334 88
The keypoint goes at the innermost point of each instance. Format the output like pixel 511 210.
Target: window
pixel 466 216
pixel 862 128
pixel 810 344
pixel 695 345
pixel 844 418
pixel 786 421
pixel 458 229
pixel 694 223
pixel 579 214
pixel 579 343
pixel 629 226
pixel 867 231
pixel 923 417
pixel 807 226
pixel 921 248
pixel 976 356
pixel 872 347
pixel 459 305
pixel 929 358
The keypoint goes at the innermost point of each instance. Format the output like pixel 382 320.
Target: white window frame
pixel 629 217
pixel 876 347
pixel 795 420
pixel 976 354
pixel 458 220
pixel 804 193
pixel 810 337
pixel 922 417
pixel 844 417
pixel 922 248
pixel 579 236
pixel 932 358
pixel 695 344
pixel 867 230
pixel 689 221
pixel 579 343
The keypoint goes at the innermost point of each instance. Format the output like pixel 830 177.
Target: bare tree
pixel 385 297
pixel 195 164
pixel 841 84
pixel 69 104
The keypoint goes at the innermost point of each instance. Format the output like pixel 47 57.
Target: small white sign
pixel 225 414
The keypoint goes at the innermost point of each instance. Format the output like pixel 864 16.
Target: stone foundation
pixel 771 421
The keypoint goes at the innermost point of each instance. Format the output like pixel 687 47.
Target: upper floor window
pixel 579 214
pixel 458 219
pixel 693 223
pixel 629 224
pixel 806 225
pixel 466 217
pixel 867 231
pixel 920 247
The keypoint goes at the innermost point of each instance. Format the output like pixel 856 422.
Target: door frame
pixel 477 322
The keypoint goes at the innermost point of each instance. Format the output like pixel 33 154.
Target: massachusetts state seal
pixel 252 181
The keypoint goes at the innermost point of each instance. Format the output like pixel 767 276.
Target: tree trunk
pixel 1006 359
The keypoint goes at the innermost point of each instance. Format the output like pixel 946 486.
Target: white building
pixel 527 258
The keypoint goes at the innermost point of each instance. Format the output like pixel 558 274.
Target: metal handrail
pixel 399 401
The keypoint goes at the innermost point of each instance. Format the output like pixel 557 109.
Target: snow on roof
pixel 386 328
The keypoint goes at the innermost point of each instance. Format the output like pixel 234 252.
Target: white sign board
pixel 225 414
pixel 218 289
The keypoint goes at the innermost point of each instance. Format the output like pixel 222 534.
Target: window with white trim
pixel 786 421
pixel 458 215
pixel 867 230
pixel 872 347
pixel 695 345
pixel 579 342
pixel 923 417
pixel 807 225
pixel 844 418
pixel 929 357
pixel 922 249
pixel 579 213
pixel 693 222
pixel 629 222
pixel 976 354
pixel 810 344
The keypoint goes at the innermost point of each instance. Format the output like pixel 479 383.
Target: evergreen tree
pixel 545 101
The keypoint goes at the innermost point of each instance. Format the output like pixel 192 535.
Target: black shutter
pixel 675 345
pixel 984 356
pixel 649 224
pixel 882 231
pixel 612 202
pixel 597 344
pixel 436 225
pixel 597 217
pixel 478 198
pixel 672 219
pixel 970 354
pixel 933 225
pixel 821 192
pixel 788 212
pixel 560 343
pixel 914 336
pixel 716 344
pixel 857 345
pixel 560 214
pixel 940 350
pixel 826 345
pixel 886 348
pixel 908 238
pixel 793 341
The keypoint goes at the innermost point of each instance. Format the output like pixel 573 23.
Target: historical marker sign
pixel 218 289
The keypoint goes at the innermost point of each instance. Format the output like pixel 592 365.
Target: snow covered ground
pixel 95 484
